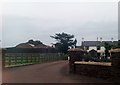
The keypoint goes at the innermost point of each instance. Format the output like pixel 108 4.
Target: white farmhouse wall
pixel 102 48
pixel 92 47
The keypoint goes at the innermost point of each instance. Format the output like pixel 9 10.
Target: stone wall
pixel 115 65
pixel 98 71
pixel 111 73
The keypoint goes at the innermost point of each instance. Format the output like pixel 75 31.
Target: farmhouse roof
pixel 98 43
pixel 24 45
pixel 27 45
pixel 41 46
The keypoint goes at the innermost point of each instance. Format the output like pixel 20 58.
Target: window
pixel 98 47
pixel 87 47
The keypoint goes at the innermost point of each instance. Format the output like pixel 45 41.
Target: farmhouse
pixel 98 46
pixel 28 45
pixel 31 47
pixel 24 45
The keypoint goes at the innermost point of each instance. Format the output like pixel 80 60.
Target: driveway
pixel 53 72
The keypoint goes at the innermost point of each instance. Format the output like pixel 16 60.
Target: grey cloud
pixel 23 21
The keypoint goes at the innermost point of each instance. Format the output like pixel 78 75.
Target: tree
pixel 118 44
pixel 64 41
pixel 37 42
pixel 107 48
pixel 75 42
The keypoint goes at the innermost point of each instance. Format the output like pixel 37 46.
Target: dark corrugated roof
pixel 24 45
pixel 41 46
pixel 27 45
pixel 98 43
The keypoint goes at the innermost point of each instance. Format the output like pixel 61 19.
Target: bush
pixel 65 57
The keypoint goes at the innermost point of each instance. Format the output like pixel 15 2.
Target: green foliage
pixel 118 44
pixel 37 42
pixel 64 41
pixel 107 48
pixel 65 56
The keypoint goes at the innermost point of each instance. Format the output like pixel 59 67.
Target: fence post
pixel 15 57
pixel 3 58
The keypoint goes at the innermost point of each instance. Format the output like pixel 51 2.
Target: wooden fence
pixel 20 59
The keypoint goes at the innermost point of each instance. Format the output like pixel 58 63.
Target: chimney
pixel 112 39
pixel 100 39
pixel 82 39
pixel 97 38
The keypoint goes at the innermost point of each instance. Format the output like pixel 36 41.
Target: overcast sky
pixel 22 21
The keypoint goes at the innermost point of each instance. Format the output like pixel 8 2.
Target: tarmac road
pixel 53 72
pixel 0 66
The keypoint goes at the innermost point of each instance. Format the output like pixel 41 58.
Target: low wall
pixel 111 72
pixel 93 69
pixel 100 71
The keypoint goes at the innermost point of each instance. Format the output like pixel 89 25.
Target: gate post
pixel 115 56
pixel 75 54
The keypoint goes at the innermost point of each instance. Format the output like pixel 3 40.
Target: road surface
pixel 53 72
pixel 0 66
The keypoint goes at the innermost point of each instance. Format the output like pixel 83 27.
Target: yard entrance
pixel 51 72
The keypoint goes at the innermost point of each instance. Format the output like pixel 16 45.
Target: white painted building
pixel 97 46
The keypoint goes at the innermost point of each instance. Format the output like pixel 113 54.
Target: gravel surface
pixel 53 72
